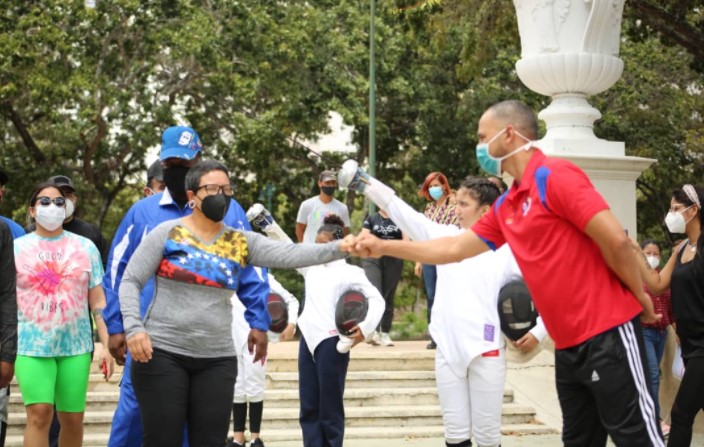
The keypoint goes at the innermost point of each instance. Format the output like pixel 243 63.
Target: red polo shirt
pixel 543 220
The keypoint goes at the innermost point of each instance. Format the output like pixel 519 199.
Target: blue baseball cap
pixel 180 142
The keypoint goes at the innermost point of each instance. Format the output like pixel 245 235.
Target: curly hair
pixel 332 225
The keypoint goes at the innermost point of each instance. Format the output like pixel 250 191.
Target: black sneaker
pixel 257 443
pixel 232 443
pixel 431 345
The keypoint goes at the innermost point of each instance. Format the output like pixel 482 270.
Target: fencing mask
pixel 278 312
pixel 516 310
pixel 351 308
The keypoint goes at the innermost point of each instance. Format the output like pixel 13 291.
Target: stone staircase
pixel 390 393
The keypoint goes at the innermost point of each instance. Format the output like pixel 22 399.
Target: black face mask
pixel 215 207
pixel 175 181
pixel 328 190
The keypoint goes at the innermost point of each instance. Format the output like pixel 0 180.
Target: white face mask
pixel 50 217
pixel 654 261
pixel 675 221
pixel 70 208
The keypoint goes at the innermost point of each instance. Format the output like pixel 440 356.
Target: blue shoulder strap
pixel 541 181
pixel 500 201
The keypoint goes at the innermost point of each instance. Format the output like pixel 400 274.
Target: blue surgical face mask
pixel 435 192
pixel 491 164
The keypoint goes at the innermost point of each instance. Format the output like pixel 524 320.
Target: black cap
pixel 155 172
pixel 62 181
pixel 3 177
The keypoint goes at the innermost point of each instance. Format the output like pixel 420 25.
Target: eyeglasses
pixel 46 201
pixel 211 190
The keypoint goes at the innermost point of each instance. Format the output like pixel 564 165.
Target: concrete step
pixel 93 422
pixel 418 431
pixel 95 401
pixel 359 397
pixel 89 440
pixel 367 397
pixel 392 416
pixel 284 358
pixel 378 359
pixel 390 394
pixel 370 433
pixel 289 380
pixel 287 418
pixel 361 379
pixel 354 397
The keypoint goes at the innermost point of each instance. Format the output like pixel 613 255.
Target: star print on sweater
pixel 188 259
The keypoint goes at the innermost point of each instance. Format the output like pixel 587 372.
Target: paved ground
pixel 533 383
pixel 507 441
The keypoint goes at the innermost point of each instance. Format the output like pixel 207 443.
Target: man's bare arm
pixel 618 254
pixel 437 251
pixel 300 230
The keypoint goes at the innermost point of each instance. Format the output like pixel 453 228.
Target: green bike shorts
pixel 54 380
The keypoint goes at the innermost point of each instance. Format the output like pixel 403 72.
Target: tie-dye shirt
pixel 53 279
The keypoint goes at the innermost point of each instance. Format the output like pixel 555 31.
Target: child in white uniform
pixel 321 368
pixel 259 217
pixel 323 354
pixel 251 377
pixel 469 364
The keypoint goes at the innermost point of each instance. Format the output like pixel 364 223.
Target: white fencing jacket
pixel 325 284
pixel 465 320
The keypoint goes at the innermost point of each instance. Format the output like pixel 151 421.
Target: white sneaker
pixel 375 339
pixel 385 339
pixel 344 345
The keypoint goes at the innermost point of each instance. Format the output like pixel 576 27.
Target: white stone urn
pixel 569 51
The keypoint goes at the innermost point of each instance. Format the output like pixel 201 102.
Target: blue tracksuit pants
pixel 321 382
pixel 126 428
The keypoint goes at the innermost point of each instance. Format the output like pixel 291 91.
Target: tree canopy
pixel 87 92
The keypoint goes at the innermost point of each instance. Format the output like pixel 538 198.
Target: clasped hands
pixel 362 245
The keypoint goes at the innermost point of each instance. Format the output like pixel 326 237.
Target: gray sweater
pixel 190 313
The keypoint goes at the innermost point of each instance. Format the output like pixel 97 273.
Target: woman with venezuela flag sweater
pixel 185 360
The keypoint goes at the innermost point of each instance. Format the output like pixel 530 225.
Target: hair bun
pixel 333 219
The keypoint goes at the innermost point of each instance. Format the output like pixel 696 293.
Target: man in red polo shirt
pixel 581 271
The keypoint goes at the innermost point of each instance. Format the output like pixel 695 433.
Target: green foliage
pixel 411 291
pixel 409 326
pixel 676 23
pixel 78 96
